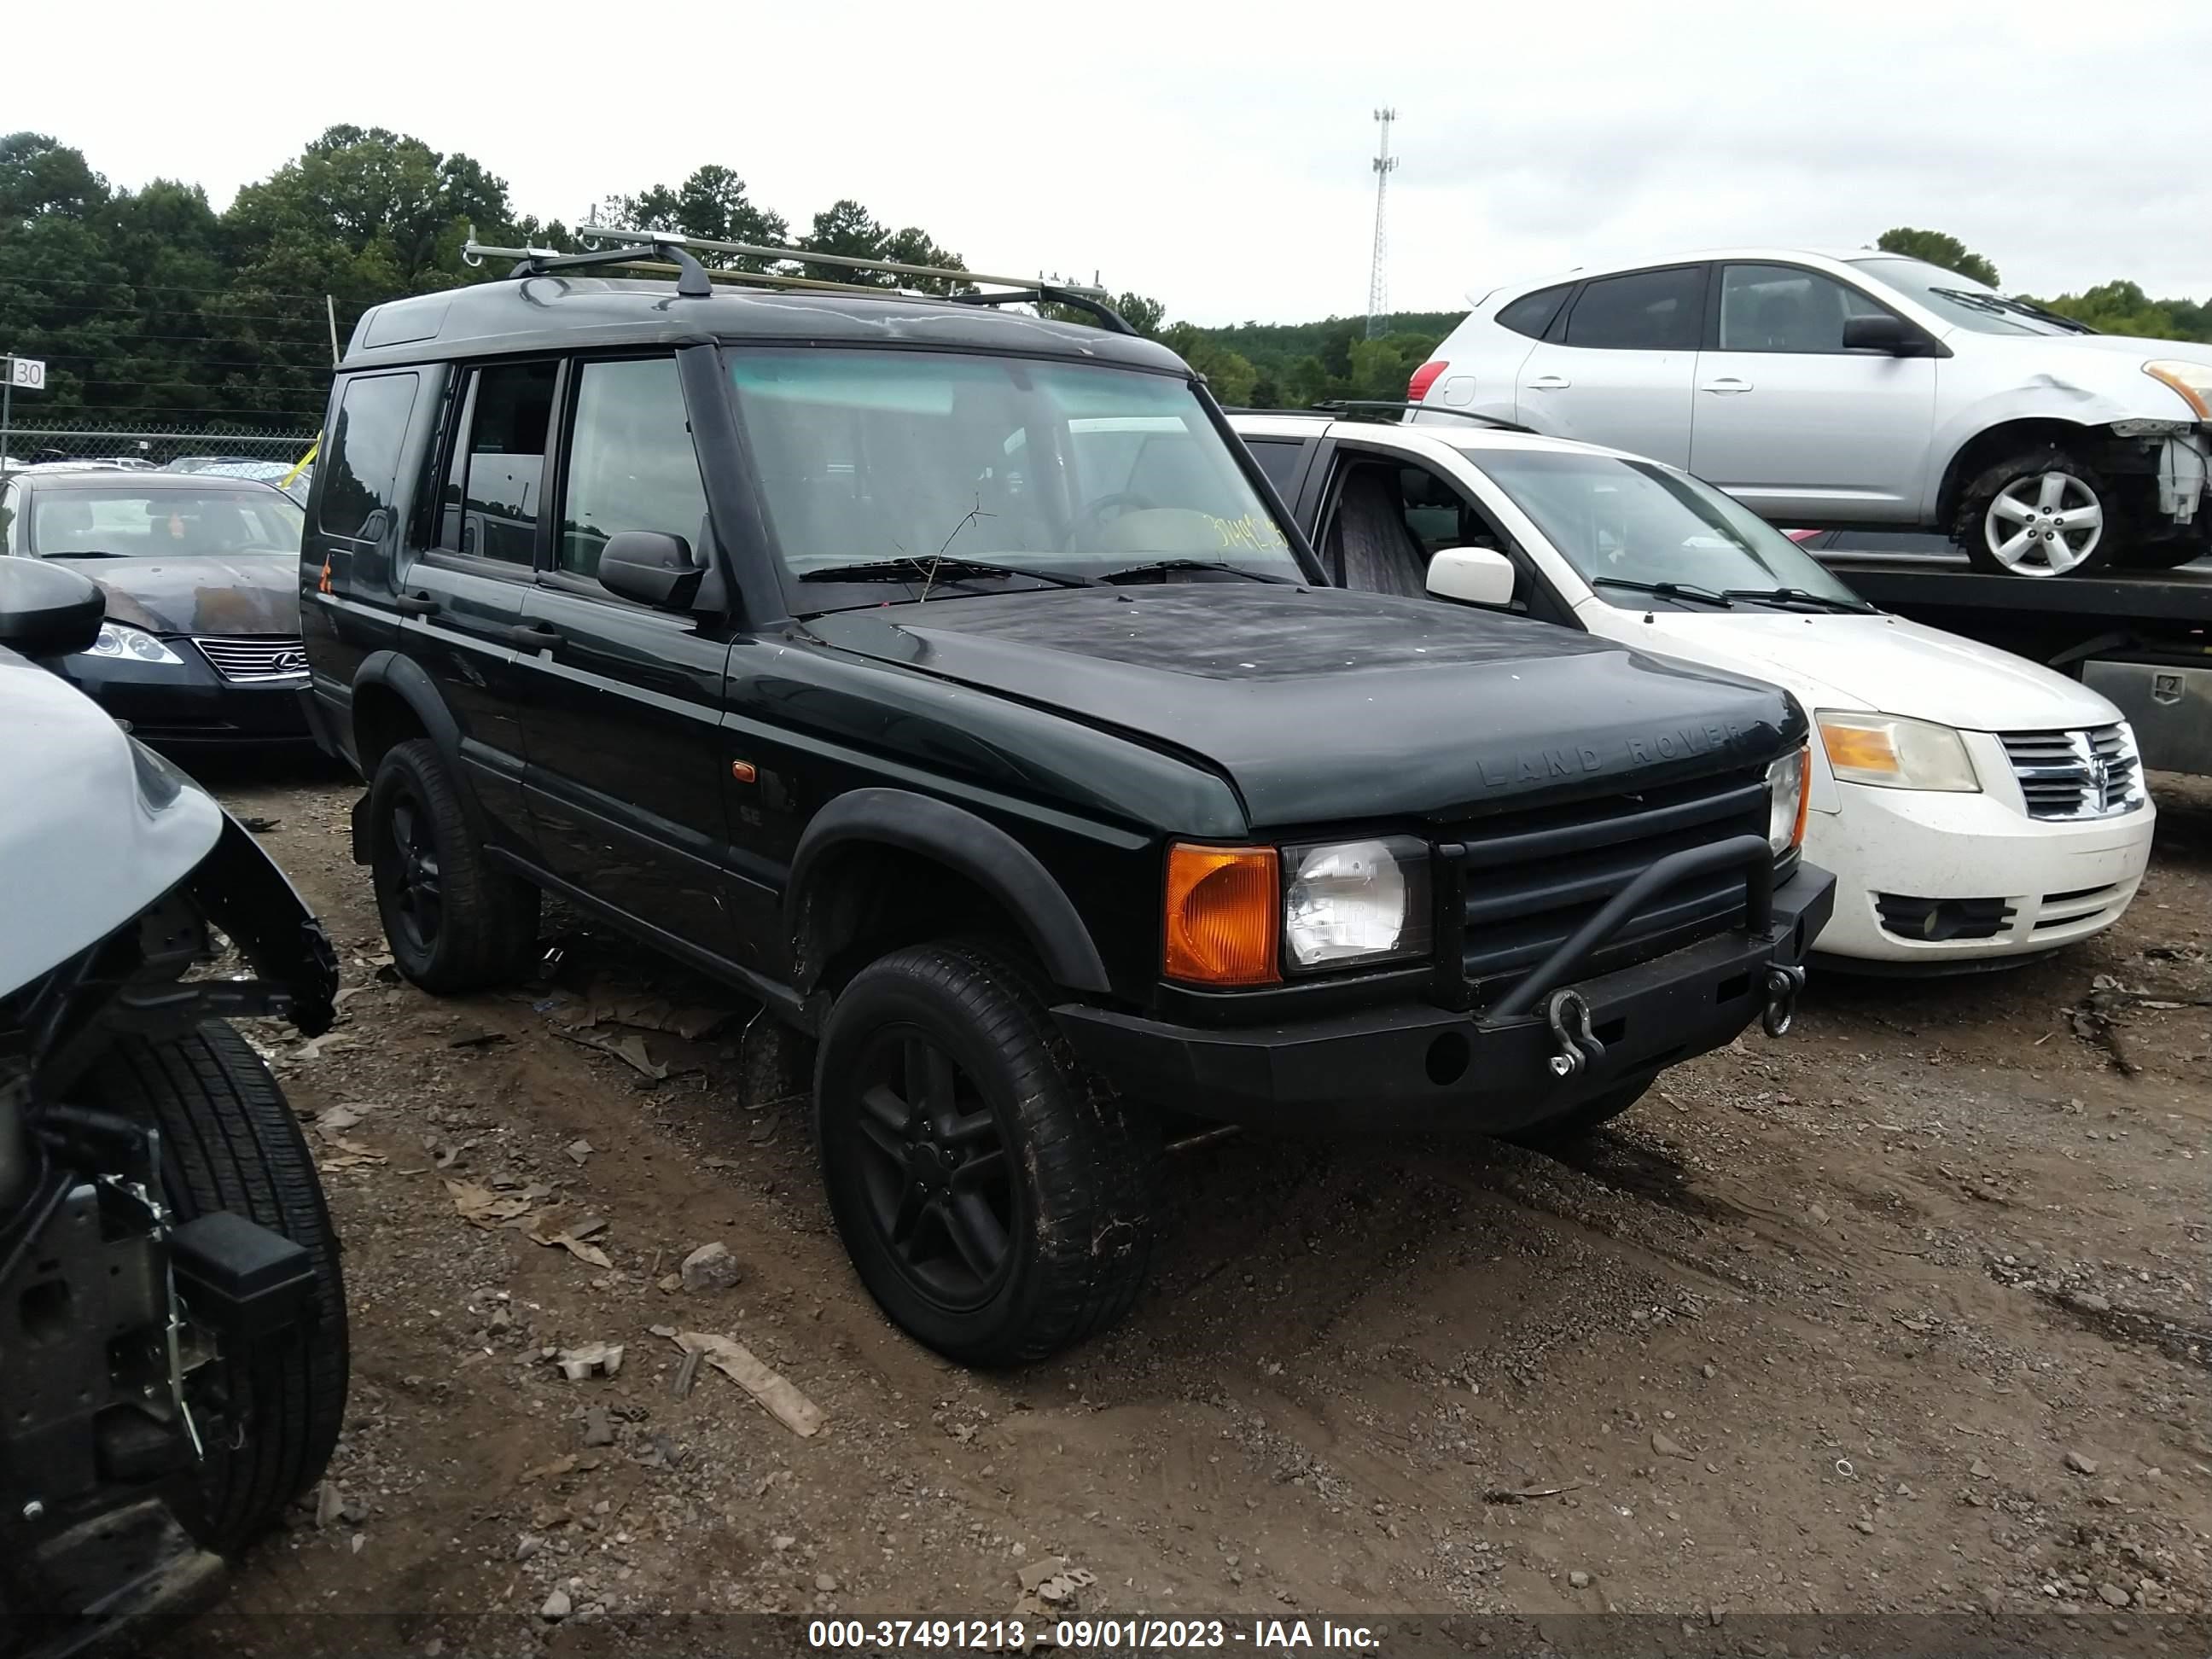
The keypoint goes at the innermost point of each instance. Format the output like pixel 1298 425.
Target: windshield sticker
pixel 1253 531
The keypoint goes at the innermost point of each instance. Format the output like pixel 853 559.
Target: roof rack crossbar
pixel 806 255
pixel 692 279
pixel 1333 404
pixel 1085 300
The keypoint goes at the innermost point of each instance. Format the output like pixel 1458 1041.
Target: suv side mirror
pixel 1474 575
pixel 47 611
pixel 650 567
pixel 1881 332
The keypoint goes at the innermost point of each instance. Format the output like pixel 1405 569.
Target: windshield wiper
pixel 1796 596
pixel 84 553
pixel 1666 590
pixel 909 568
pixel 1163 567
pixel 1998 305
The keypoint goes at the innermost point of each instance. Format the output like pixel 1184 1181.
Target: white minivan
pixel 1975 807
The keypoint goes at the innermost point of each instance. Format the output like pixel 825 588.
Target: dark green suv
pixel 952 681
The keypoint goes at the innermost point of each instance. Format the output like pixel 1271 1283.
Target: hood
pixel 1886 664
pixel 1320 705
pixel 2126 345
pixel 96 827
pixel 200 592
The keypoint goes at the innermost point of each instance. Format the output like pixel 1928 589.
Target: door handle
pixel 415 604
pixel 1725 385
pixel 533 636
pixel 1549 383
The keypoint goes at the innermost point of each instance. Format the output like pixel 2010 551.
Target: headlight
pixel 1351 901
pixel 2192 380
pixel 118 640
pixel 1895 753
pixel 1786 801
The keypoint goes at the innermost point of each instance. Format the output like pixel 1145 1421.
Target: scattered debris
pixel 483 1207
pixel 557 1606
pixel 315 1047
pixel 578 1151
pixel 346 1154
pixel 1578 1579
pixel 1667 1446
pixel 709 1267
pixel 478 1040
pixel 687 1374
pixel 330 1504
pixel 825 1581
pixel 593 1359
pixel 1049 1584
pixel 736 1362
pixel 598 1427
pixel 259 826
pixel 1524 1494
pixel 2079 1464
pixel 547 1233
pixel 553 1471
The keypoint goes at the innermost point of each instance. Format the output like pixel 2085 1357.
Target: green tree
pixel 1937 249
pixel 711 203
pixel 1230 375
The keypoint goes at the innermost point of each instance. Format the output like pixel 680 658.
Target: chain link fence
pixel 179 449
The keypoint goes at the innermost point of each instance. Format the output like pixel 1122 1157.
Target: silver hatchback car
pixel 1860 390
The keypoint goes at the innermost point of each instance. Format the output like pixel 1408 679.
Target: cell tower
pixel 1385 165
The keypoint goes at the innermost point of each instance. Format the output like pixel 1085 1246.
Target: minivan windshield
pixel 125 520
pixel 1634 531
pixel 994 473
pixel 1962 300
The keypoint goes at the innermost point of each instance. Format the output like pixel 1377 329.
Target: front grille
pixel 1533 877
pixel 247 659
pixel 2091 773
pixel 1909 917
pixel 2065 909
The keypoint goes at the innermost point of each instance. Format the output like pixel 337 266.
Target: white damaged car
pixel 1975 807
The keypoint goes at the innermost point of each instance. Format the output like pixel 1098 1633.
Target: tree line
pixel 152 309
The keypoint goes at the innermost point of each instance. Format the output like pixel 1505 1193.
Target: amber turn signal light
pixel 1223 916
pixel 1804 794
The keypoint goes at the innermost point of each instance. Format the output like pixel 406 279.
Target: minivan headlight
pixel 1891 752
pixel 1355 901
pixel 132 644
pixel 1786 801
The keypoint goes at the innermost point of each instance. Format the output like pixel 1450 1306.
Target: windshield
pixel 1065 471
pixel 126 522
pixel 1635 522
pixel 1962 300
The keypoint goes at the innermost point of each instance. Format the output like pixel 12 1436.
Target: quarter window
pixel 363 467
pixel 1644 310
pixel 1278 458
pixel 1532 314
pixel 494 484
pixel 631 464
pixel 1785 308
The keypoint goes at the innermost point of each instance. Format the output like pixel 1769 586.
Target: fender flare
pixel 962 842
pixel 411 684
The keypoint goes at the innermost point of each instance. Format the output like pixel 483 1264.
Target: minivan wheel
pixel 995 1197
pixel 2043 513
pixel 455 921
pixel 229 1141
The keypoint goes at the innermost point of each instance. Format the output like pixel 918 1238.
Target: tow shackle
pixel 1785 979
pixel 1574 1045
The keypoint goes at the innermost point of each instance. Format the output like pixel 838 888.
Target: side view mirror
pixel 650 567
pixel 47 611
pixel 1473 575
pixel 1881 332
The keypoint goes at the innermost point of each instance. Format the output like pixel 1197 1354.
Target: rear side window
pixel 1645 311
pixel 631 464
pixel 1532 314
pixel 1278 458
pixel 360 465
pixel 494 484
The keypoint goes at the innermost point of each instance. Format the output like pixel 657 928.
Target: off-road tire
pixel 1084 1161
pixel 1583 1119
pixel 229 1142
pixel 1969 527
pixel 488 925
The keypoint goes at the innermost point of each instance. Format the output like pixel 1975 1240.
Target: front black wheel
pixel 995 1198
pixel 2042 511
pixel 455 919
pixel 229 1141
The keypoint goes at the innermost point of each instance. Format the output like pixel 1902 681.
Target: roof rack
pixel 696 280
pixel 1354 404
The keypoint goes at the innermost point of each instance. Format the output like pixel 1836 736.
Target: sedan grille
pixel 1531 878
pixel 246 659
pixel 2092 773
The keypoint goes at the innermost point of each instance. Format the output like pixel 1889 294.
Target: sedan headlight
pixel 1352 901
pixel 1786 801
pixel 1891 752
pixel 2192 380
pixel 117 640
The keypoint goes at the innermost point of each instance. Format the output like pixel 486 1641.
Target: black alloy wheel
pixel 418 902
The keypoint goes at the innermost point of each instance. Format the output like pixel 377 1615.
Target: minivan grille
pixel 2090 773
pixel 1531 878
pixel 249 657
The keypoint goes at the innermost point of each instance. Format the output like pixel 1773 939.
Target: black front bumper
pixel 1417 1065
pixel 189 706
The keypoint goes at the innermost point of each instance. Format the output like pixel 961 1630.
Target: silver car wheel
pixel 2043 525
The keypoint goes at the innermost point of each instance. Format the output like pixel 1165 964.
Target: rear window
pixel 362 467
pixel 1532 314
pixel 1644 310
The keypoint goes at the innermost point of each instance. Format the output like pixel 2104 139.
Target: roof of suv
pixel 1482 298
pixel 109 477
pixel 543 312
pixel 1459 434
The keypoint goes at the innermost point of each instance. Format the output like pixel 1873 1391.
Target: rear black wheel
pixel 996 1200
pixel 455 920
pixel 230 1142
pixel 1574 1125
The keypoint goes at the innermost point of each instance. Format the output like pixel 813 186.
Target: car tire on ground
pixel 455 921
pixel 1574 1125
pixel 2040 511
pixel 229 1141
pixel 996 1199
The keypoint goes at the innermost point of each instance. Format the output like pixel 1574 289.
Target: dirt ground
pixel 1909 1312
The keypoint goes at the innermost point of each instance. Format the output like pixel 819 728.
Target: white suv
pixel 1857 391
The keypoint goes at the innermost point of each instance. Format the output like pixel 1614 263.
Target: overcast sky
pixel 1217 157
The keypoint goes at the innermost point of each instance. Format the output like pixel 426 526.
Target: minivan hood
pixel 1323 705
pixel 1884 663
pixel 200 594
pixel 97 827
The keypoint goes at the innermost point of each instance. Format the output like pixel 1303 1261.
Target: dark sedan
pixel 201 648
